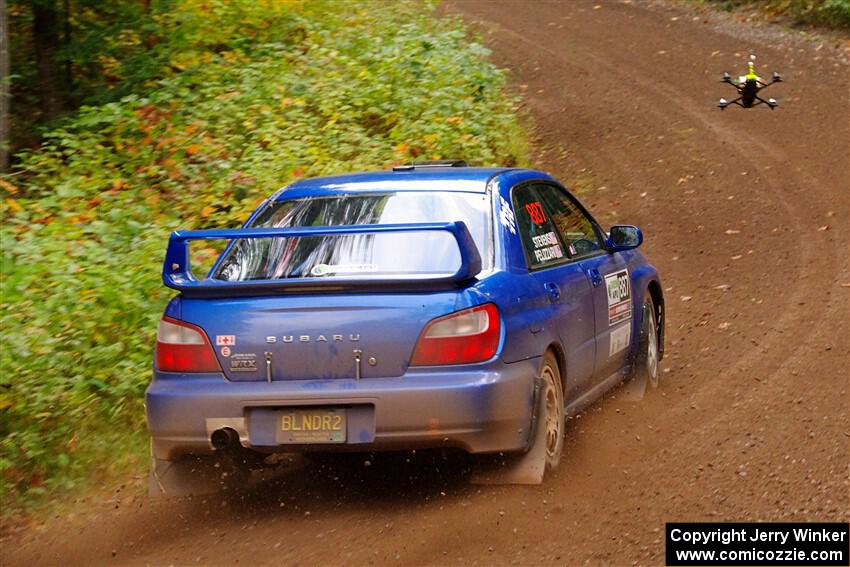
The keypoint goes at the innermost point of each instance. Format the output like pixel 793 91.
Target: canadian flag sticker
pixel 225 340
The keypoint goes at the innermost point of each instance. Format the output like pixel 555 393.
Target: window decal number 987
pixel 535 211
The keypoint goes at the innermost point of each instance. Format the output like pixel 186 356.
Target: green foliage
pixel 248 95
pixel 829 13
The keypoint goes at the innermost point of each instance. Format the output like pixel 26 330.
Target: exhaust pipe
pixel 224 439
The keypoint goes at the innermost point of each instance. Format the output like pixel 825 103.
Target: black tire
pixel 551 411
pixel 646 359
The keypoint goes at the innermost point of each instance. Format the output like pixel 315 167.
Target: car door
pixel 607 273
pixel 564 282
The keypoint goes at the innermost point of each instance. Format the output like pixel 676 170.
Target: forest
pixel 130 119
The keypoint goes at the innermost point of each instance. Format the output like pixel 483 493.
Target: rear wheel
pixel 646 361
pixel 551 410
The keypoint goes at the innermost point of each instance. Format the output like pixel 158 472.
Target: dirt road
pixel 746 214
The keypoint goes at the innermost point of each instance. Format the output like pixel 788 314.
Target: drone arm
pixel 775 79
pixel 771 103
pixel 723 104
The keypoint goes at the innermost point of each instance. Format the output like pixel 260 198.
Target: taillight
pixel 468 336
pixel 183 347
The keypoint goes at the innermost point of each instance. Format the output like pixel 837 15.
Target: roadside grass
pixel 257 93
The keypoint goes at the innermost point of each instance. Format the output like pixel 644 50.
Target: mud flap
pixel 635 385
pixel 633 388
pixel 183 478
pixel 522 468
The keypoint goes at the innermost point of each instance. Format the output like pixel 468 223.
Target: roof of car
pixel 465 179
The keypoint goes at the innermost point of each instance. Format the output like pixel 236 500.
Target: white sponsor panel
pixel 618 286
pixel 620 338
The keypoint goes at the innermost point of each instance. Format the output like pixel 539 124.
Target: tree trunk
pixel 47 41
pixel 5 141
pixel 66 38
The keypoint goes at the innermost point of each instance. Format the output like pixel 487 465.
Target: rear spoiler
pixel 177 273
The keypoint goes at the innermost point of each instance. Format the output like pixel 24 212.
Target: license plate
pixel 312 426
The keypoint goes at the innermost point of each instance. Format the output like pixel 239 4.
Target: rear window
pixel 426 253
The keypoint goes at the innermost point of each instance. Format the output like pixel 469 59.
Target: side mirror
pixel 623 237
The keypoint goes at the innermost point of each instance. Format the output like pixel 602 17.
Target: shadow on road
pixel 385 480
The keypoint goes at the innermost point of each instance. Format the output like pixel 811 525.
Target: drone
pixel 748 87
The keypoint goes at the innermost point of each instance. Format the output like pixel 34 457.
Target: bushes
pixel 829 13
pixel 254 94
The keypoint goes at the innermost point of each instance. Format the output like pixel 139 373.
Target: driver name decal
pixel 547 247
pixel 619 297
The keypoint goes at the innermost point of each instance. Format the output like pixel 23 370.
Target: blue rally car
pixel 434 305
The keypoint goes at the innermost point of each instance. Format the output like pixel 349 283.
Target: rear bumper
pixel 480 410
